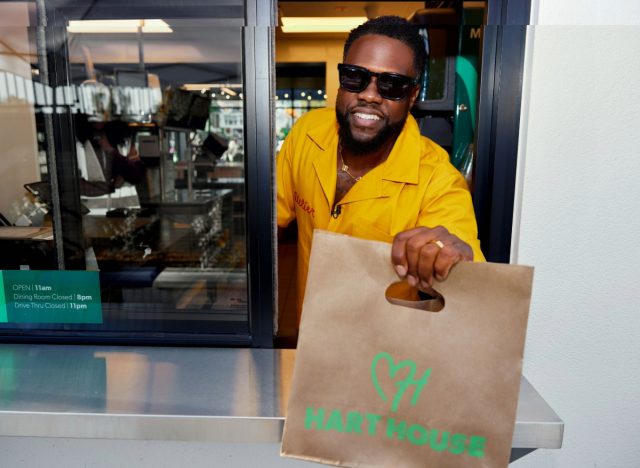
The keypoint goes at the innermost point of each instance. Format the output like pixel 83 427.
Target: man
pixel 101 149
pixel 365 170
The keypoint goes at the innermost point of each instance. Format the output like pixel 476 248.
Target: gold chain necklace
pixel 345 168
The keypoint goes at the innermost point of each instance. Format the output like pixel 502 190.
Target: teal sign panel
pixel 43 296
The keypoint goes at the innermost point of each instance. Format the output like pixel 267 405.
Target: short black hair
pixel 394 27
pixel 117 132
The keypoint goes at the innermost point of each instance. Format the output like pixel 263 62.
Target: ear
pixel 414 95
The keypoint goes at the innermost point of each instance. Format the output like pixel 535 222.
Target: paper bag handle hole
pixel 402 294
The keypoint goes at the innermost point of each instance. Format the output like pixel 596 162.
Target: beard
pixel 388 132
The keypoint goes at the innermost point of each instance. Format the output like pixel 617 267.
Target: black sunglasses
pixel 392 86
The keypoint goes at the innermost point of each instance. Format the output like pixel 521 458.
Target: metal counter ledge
pixel 179 394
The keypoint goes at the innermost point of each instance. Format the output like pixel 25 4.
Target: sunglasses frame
pixel 348 67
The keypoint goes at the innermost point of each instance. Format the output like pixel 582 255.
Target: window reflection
pixel 141 122
pixel 300 87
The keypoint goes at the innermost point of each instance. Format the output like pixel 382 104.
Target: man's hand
pixel 422 254
pixel 133 154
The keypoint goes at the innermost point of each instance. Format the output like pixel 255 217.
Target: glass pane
pixel 130 139
pixel 300 87
pixel 26 236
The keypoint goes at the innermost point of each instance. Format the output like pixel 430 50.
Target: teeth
pixel 360 115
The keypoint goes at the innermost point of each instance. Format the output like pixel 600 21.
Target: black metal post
pixel 498 124
pixel 259 88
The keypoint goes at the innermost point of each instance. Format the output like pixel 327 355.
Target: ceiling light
pixel 118 26
pixel 310 24
pixel 229 91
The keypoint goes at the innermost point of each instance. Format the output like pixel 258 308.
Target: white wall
pixel 577 220
pixel 585 12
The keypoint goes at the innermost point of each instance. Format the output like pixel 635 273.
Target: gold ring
pixel 438 243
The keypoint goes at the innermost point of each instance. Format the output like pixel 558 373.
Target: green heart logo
pixel 401 385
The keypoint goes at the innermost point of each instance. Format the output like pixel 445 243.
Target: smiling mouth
pixel 363 116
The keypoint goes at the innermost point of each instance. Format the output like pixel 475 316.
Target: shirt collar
pixel 402 165
pixel 325 136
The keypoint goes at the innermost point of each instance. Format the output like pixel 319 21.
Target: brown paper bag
pixel 380 384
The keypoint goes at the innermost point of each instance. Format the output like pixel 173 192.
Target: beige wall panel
pixel 327 51
pixel 19 151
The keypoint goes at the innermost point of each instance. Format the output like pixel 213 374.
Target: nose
pixel 370 93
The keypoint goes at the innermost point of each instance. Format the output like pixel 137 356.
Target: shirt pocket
pixel 365 229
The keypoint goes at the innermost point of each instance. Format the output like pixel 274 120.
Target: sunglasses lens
pixel 352 79
pixel 390 85
pixel 393 87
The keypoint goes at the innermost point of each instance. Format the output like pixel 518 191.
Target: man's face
pixel 366 119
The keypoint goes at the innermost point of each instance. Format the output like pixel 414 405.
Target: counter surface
pixel 185 394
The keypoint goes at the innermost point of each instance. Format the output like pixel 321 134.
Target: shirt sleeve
pixel 448 203
pixel 285 184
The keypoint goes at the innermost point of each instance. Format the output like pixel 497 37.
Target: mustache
pixel 366 106
pixel 387 132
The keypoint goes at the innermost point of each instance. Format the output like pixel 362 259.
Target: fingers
pixel 445 260
pixel 414 252
pixel 451 254
pixel 407 244
pixel 423 254
pixel 133 153
pixel 426 262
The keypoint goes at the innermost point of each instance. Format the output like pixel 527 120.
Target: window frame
pixel 258 63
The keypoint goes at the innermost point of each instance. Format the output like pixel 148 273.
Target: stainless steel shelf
pixel 180 394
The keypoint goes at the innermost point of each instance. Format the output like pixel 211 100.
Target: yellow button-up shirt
pixel 415 186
